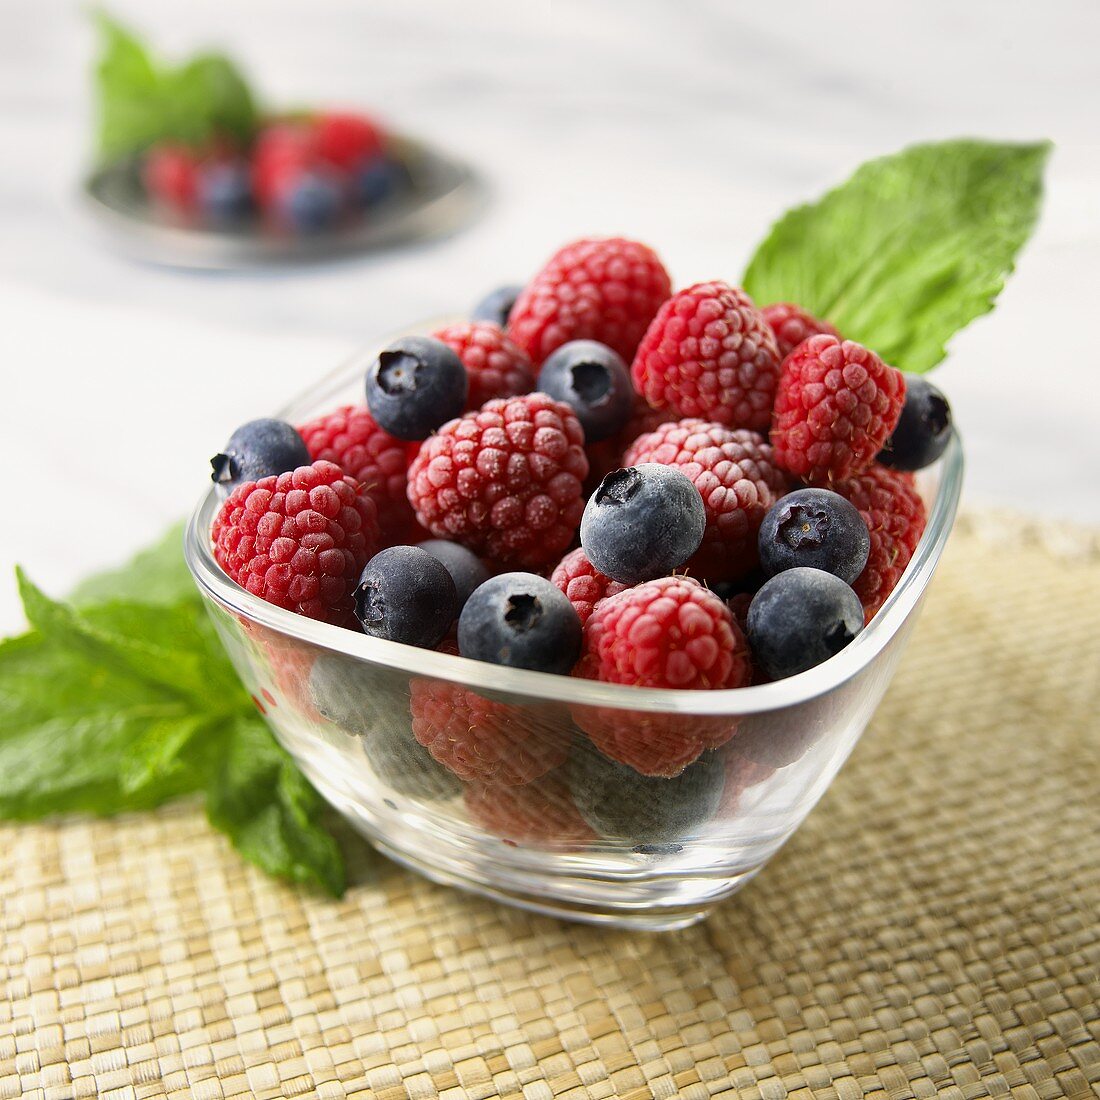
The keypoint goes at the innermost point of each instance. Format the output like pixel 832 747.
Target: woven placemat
pixel 932 930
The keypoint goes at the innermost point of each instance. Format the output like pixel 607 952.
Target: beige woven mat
pixel 931 931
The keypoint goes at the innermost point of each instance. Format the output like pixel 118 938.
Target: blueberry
pixel 378 179
pixel 497 305
pixel 520 620
pixel 406 595
pixel 312 202
pixel 818 529
pixel 258 449
pixel 225 192
pixel 800 618
pixel 416 385
pixel 594 381
pixel 642 522
pixel 466 568
pixel 924 429
pixel 652 814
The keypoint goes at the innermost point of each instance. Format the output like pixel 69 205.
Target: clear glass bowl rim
pixel 547 687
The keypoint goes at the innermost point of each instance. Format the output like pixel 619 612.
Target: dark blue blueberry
pixel 816 528
pixel 523 621
pixel 497 305
pixel 653 815
pixel 800 618
pixel 258 449
pixel 642 522
pixel 225 192
pixel 312 202
pixel 466 568
pixel 406 595
pixel 378 179
pixel 414 386
pixel 924 428
pixel 594 381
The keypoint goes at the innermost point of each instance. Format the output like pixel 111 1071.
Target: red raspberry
pixel 350 438
pixel 583 584
pixel 667 633
pixel 894 513
pixel 482 739
pixel 607 454
pixel 593 289
pixel 280 152
pixel 709 353
pixel 298 540
pixel 170 174
pixel 346 140
pixel 495 366
pixel 792 324
pixel 737 478
pixel 836 405
pixel 504 481
pixel 541 814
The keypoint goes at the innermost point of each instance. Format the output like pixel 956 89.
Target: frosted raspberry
pixel 298 540
pixel 350 438
pixel 792 324
pixel 495 366
pixel 895 515
pixel 540 814
pixel 737 478
pixel 593 289
pixel 667 633
pixel 836 405
pixel 504 481
pixel 583 584
pixel 709 353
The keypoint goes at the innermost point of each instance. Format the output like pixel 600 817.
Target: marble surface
pixel 689 125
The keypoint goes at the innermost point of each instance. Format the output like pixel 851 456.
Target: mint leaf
pixel 156 575
pixel 270 812
pixel 140 102
pixel 122 705
pixel 911 249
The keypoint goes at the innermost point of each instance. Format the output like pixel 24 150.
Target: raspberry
pixel 667 633
pixel 495 366
pixel 709 353
pixel 298 540
pixel 350 438
pixel 541 814
pixel 583 584
pixel 504 481
pixel 737 478
pixel 170 174
pixel 593 289
pixel 836 405
pixel 607 455
pixel 895 516
pixel 483 739
pixel 346 140
pixel 792 324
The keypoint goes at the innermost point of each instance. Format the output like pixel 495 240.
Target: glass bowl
pixel 510 798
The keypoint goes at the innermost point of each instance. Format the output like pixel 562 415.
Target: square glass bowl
pixel 509 798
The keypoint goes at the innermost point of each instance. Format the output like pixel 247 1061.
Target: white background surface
pixel 690 125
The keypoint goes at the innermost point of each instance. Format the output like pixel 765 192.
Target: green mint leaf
pixel 910 249
pixel 139 102
pixel 167 648
pixel 157 575
pixel 260 800
pixel 67 730
pixel 129 101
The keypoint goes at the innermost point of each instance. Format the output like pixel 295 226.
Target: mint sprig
pixel 140 101
pixel 910 249
pixel 124 699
